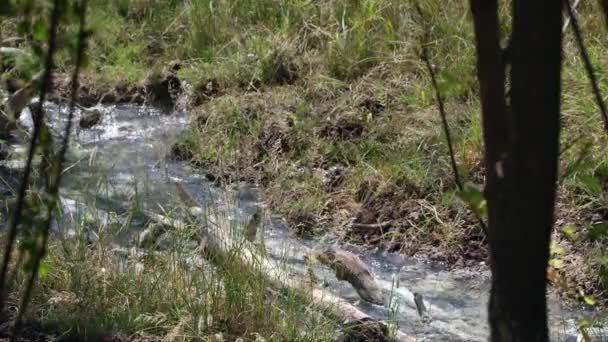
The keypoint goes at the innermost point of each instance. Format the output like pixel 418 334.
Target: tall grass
pixel 92 289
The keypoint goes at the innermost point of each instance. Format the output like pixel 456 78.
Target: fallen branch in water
pixel 219 242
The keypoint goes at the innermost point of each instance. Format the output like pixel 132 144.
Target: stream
pixel 124 160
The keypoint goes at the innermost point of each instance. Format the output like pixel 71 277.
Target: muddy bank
pixel 161 90
pixel 370 169
pixel 330 158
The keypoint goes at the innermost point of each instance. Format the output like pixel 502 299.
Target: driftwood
pixel 351 268
pixel 220 241
pixel 367 227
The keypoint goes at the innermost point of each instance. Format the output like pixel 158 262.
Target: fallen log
pixel 220 242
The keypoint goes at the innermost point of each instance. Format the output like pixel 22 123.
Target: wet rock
pixel 90 118
pixel 253 225
pixel 162 90
pixel 421 308
pixel 181 152
pixel 351 268
pixel 184 198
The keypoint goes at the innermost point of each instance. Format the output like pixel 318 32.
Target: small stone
pixel 90 118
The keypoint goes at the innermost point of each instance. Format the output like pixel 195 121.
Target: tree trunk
pixel 604 4
pixel 522 145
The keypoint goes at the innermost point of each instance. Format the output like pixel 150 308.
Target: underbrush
pixel 327 106
pixel 365 146
pixel 92 289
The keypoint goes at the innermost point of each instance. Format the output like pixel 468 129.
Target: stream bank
pixel 123 163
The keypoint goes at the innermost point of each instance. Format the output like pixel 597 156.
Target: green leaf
pixel 570 231
pixel 591 185
pixel 44 269
pixel 590 300
pixel 585 321
pixel 449 84
pixel 602 260
pixel 596 231
pixel 474 198
pixel 41 33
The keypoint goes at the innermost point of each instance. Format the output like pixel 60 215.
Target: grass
pixel 283 91
pixel 88 291
pixel 357 66
pixel 297 73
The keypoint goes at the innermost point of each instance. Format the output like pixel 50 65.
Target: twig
pixel 565 28
pixel 440 105
pixel 54 185
pixel 588 66
pixel 371 226
pixel 38 117
pixel 444 122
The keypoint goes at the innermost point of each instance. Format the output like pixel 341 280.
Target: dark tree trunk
pixel 522 145
pixel 604 4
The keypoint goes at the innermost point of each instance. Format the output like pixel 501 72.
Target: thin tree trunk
pixel 522 168
pixel 604 4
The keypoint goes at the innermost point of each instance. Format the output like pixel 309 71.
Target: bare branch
pixel 441 107
pixel 38 117
pixel 56 181
pixel 567 23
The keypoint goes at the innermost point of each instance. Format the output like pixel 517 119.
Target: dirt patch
pixel 163 90
pixel 204 91
pixel 344 128
pixel 364 331
pixel 274 140
pixel 90 94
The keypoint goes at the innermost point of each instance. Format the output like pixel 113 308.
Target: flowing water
pixel 123 161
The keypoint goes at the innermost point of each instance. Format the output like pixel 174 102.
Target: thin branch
pixel 567 23
pixel 587 61
pixel 440 105
pixel 444 122
pixel 38 117
pixel 53 190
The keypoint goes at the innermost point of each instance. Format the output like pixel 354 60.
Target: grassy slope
pixel 350 60
pixel 277 83
pixel 295 73
pixel 86 292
